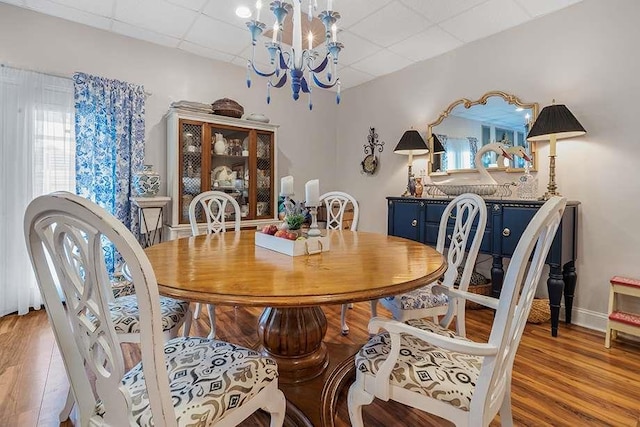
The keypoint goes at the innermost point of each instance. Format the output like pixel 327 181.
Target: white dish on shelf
pixel 221 173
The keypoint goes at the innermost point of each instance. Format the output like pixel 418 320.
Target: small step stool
pixel 628 323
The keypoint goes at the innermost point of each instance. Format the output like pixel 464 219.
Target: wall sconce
pixel 411 143
pixel 554 122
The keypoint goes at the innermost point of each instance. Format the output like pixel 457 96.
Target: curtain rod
pixel 61 76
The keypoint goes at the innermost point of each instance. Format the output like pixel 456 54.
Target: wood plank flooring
pixel 571 380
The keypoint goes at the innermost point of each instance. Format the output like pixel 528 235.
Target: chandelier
pixel 302 66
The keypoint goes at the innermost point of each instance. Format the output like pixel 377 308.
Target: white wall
pixel 584 56
pixel 43 43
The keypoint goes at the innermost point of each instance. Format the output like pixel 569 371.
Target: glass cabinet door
pixel 264 175
pixel 230 167
pixel 191 137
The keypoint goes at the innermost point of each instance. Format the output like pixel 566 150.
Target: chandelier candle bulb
pixel 334 33
pixel 312 191
pixel 275 32
pixel 286 185
pixel 310 38
pixel 329 5
pixel 297 33
pixel 258 7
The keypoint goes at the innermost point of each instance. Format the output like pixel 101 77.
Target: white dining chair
pixel 468 212
pixel 124 311
pixel 430 368
pixel 214 208
pixel 336 204
pixel 184 381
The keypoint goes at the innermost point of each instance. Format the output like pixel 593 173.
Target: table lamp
pixel 411 143
pixel 437 145
pixel 554 122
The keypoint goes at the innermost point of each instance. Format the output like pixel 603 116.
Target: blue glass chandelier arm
pixel 261 73
pixel 281 82
pixel 322 65
pixel 283 63
pixel 304 85
pixel 324 85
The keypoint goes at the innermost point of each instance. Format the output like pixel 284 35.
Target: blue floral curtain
pixel 109 124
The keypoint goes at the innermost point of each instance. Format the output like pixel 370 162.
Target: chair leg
pixel 343 319
pixel 68 407
pixel 186 327
pixel 196 313
pixel 356 399
pixel 374 307
pixel 277 408
pixel 212 320
pixel 506 417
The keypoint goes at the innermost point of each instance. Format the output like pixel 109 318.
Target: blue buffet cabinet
pixel 419 219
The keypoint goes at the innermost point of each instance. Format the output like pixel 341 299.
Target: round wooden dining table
pixel 229 269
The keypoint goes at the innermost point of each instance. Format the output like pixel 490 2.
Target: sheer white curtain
pixel 36 157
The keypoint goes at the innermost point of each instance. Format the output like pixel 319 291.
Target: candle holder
pixel 313 228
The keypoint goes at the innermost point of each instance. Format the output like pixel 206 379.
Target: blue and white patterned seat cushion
pixel 417 299
pixel 423 368
pixel 122 288
pixel 207 379
pixel 125 317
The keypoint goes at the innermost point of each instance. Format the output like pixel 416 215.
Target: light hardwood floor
pixel 571 380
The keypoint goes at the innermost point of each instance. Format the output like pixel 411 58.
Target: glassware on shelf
pixel 220 144
pixel 527 185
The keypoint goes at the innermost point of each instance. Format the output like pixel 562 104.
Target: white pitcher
pixel 220 146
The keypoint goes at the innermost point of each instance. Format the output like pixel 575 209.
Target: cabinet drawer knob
pixel 506 232
pixel 414 222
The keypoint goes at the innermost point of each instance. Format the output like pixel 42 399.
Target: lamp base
pixel 547 195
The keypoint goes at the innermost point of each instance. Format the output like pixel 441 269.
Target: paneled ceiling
pixel 380 36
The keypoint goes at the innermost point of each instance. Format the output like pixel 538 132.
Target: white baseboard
pixel 592 320
pixel 586 318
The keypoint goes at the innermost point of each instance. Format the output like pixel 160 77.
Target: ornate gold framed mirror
pixel 466 126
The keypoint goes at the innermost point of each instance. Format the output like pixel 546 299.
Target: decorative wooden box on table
pixel 211 152
pixel 297 247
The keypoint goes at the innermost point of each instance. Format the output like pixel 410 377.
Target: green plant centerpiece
pixel 294 221
pixel 295 216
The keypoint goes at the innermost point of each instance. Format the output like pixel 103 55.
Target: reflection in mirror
pixel 466 126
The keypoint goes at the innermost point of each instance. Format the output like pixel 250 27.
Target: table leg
pixel 497 276
pixel 555 285
pixel 293 337
pixel 570 278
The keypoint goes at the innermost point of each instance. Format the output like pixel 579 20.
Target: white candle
pixel 310 38
pixel 312 191
pixel 258 7
pixel 286 185
pixel 329 5
pixel 297 35
pixel 275 32
pixel 334 32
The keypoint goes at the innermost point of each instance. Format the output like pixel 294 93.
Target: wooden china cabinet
pixel 209 152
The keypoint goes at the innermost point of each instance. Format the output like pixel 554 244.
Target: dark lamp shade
pixel 555 120
pixel 437 145
pixel 411 143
